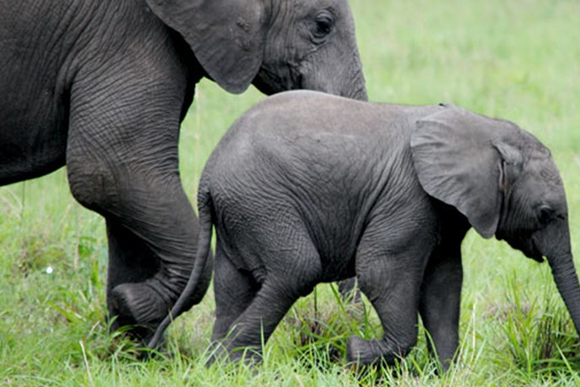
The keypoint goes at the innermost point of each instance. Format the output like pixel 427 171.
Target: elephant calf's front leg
pixel 440 302
pixel 393 290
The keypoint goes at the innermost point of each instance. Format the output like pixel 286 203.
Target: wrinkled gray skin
pixel 102 86
pixel 308 188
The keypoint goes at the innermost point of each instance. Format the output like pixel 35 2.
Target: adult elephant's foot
pixel 139 306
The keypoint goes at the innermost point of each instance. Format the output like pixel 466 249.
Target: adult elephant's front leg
pixel 150 258
pixel 122 163
pixel 130 262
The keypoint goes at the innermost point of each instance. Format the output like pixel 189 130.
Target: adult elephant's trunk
pixel 350 83
pixel 359 91
pixel 356 88
pixel 567 282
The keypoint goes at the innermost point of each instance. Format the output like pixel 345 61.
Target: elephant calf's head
pixel 276 44
pixel 505 182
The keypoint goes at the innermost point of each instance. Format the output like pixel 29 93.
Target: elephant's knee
pixel 93 186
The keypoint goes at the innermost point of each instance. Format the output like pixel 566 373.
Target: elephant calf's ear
pixel 226 36
pixel 456 163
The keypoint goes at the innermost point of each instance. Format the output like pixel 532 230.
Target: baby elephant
pixel 308 188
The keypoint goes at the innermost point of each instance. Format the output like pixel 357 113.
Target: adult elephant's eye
pixel 323 25
pixel 546 214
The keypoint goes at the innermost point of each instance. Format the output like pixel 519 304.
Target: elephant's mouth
pixel 536 255
pixel 265 86
pixel 271 82
pixel 530 250
pixel 526 245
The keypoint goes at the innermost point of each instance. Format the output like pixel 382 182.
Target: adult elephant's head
pixel 275 44
pixel 505 182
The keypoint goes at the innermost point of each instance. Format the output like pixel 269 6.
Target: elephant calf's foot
pixel 137 305
pixel 366 352
pixel 222 352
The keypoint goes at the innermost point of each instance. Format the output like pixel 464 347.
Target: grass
pixel 516 60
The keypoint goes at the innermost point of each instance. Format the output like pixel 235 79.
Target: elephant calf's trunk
pixel 567 282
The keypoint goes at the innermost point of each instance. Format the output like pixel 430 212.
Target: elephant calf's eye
pixel 323 25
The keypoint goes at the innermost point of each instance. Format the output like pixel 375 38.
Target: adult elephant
pixel 102 86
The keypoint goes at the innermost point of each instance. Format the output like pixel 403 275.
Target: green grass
pixel 516 60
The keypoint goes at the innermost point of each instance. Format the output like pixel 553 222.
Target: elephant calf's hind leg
pixel 257 311
pixel 234 292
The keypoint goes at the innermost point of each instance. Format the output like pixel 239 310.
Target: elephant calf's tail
pixel 205 207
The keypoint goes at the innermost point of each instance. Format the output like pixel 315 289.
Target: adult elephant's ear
pixel 226 36
pixel 461 159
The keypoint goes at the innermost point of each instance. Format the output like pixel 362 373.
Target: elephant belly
pixel 33 101
pixel 32 141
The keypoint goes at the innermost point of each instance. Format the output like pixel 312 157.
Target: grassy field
pixel 515 60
